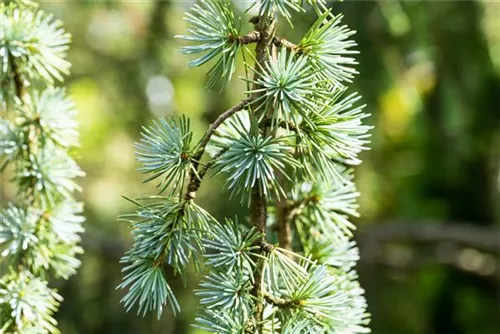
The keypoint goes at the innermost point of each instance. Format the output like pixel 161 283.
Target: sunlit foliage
pixel 40 232
pixel 287 149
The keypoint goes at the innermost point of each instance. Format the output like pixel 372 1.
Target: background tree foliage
pixel 429 74
pixel 40 231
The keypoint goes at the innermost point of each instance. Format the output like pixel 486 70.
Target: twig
pixel 194 176
pixel 258 205
pixel 251 37
pixel 32 142
pixel 213 127
pixel 18 80
pixel 284 229
pixel 281 302
pixel 281 42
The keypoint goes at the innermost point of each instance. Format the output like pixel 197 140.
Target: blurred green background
pixel 430 204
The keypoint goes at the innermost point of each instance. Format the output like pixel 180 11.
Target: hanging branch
pixel 286 151
pixel 258 201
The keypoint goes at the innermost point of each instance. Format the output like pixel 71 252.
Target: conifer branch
pixel 286 147
pixel 258 204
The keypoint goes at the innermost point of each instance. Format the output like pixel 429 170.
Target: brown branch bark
pixel 32 141
pixel 281 302
pixel 286 213
pixel 194 176
pixel 258 204
pixel 281 42
pixel 18 80
pixel 213 127
pixel 251 37
pixel 284 229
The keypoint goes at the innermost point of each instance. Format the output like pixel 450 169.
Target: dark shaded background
pixel 429 232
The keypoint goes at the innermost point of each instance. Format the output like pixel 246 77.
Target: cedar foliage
pixel 40 231
pixel 287 151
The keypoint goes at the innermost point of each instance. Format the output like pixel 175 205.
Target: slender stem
pixel 213 127
pixel 258 217
pixel 194 176
pixel 18 80
pixel 258 203
pixel 258 211
pixel 251 37
pixel 209 165
pixel 284 229
pixel 281 42
pixel 32 141
pixel 281 302
pixel 20 91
